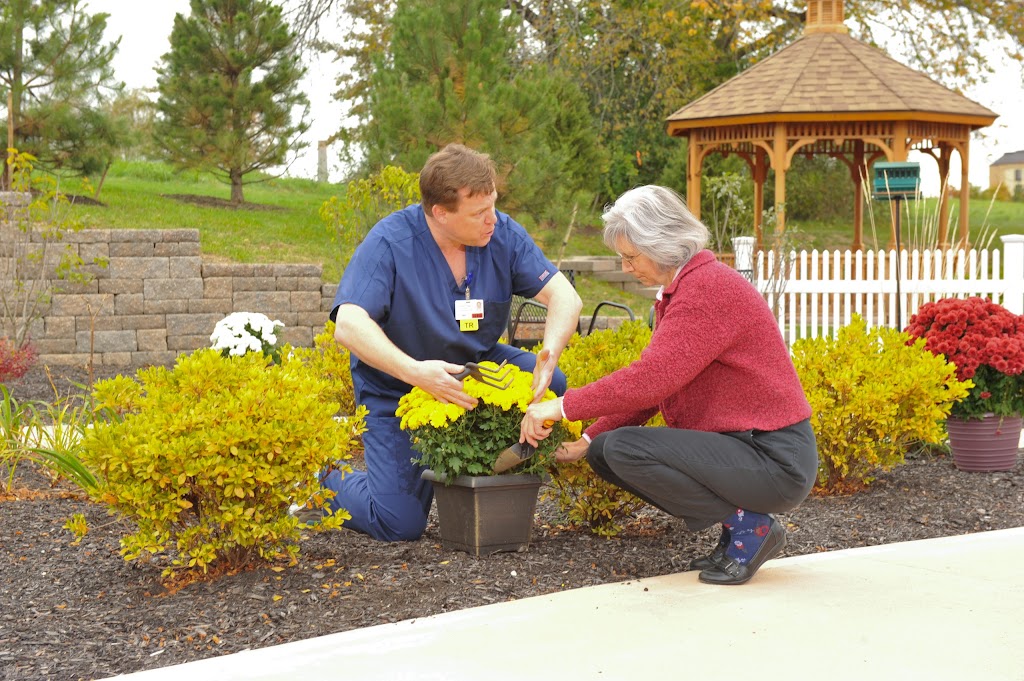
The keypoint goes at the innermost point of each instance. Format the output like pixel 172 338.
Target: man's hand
pixel 542 374
pixel 435 376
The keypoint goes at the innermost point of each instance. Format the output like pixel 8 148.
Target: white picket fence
pixel 816 293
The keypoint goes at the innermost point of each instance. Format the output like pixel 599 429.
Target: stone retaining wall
pixel 158 298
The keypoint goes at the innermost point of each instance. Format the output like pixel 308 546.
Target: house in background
pixel 1008 171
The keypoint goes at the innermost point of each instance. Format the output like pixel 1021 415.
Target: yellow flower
pixel 454 411
pixel 419 409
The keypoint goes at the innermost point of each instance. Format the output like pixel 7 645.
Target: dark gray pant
pixel 704 477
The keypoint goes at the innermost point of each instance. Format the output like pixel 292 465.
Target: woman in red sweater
pixel 739 444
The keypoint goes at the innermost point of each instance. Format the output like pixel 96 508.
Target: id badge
pixel 469 313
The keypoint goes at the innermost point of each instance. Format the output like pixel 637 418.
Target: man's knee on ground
pixel 410 529
pixel 399 520
pixel 559 383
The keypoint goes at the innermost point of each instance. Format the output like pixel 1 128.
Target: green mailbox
pixel 896 180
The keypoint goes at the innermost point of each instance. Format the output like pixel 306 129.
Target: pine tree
pixel 57 70
pixel 227 90
pixel 637 62
pixel 450 75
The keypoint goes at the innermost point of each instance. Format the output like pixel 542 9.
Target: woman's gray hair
pixel 655 220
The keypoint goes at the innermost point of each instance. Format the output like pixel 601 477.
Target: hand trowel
pixel 516 454
pixel 520 451
pixel 513 456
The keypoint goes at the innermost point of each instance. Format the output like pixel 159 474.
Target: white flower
pixel 242 332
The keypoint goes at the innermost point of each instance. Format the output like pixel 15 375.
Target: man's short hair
pixel 451 170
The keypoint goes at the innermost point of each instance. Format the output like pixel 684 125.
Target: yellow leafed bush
pixel 330 360
pixel 873 394
pixel 366 202
pixel 583 495
pixel 206 458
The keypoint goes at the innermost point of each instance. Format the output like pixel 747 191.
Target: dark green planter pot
pixel 485 514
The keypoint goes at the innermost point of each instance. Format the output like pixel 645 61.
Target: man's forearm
pixel 561 322
pixel 563 316
pixel 366 340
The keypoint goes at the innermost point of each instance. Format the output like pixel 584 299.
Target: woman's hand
pixel 572 451
pixel 539 419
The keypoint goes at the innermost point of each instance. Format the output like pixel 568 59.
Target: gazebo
pixel 827 93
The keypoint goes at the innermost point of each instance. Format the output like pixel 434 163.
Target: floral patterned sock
pixel 747 531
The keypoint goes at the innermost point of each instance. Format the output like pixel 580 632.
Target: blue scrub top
pixel 400 277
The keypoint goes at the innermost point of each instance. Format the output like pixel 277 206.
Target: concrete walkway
pixel 950 608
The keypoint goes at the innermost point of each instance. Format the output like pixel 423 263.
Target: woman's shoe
pixel 713 559
pixel 730 572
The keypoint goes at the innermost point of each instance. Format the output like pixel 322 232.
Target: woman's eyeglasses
pixel 628 259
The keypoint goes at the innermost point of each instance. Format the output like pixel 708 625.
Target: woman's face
pixel 639 265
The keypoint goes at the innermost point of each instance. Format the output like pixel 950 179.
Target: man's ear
pixel 439 213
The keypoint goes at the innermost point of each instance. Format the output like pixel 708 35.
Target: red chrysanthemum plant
pixel 986 343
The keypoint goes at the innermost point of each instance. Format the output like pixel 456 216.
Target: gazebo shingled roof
pixel 828 93
pixel 830 72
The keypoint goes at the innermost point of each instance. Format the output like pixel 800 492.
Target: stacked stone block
pixel 157 297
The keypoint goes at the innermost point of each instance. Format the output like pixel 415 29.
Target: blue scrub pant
pixel 389 501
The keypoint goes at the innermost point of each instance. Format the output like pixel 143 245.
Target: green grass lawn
pixel 283 223
pixel 918 225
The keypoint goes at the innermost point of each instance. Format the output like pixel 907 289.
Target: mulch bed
pixel 82 612
pixel 214 202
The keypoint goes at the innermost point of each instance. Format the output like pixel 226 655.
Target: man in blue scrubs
pixel 428 290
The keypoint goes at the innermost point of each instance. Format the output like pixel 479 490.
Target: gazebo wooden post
pixel 693 175
pixel 858 173
pixel 779 164
pixel 945 152
pixel 965 199
pixel 899 141
pixel 760 174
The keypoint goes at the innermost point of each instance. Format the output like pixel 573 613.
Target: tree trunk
pixel 103 178
pixel 236 187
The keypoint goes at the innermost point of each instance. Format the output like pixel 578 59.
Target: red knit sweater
pixel 716 362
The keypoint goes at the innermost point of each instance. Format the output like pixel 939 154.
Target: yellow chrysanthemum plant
pixel 453 441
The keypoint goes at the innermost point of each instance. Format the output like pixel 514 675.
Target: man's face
pixel 472 222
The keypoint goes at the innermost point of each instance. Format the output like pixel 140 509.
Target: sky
pixel 144 41
pixel 145 38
